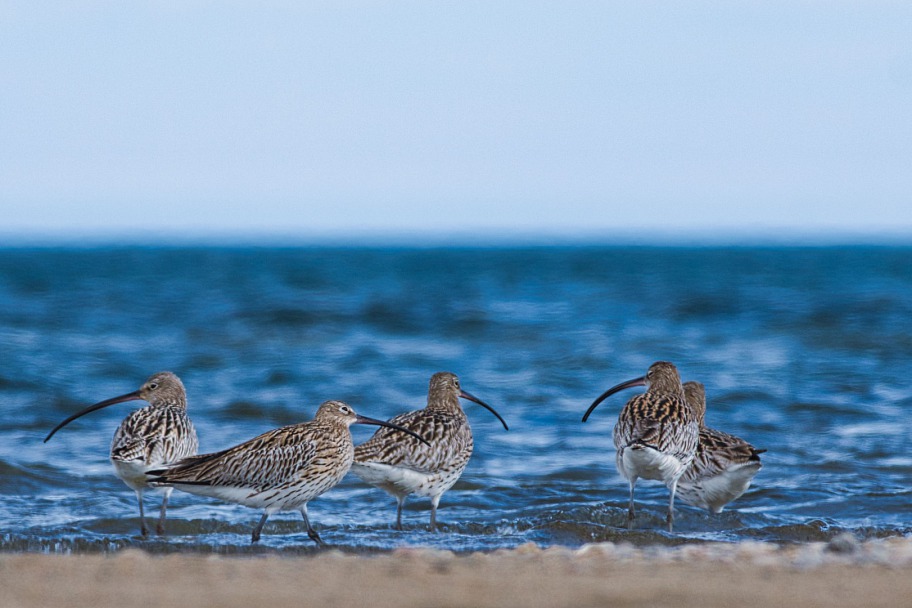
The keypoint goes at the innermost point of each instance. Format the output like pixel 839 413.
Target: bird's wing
pixel 447 436
pixel 271 459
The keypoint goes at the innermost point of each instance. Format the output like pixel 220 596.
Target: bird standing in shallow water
pixel 656 433
pixel 406 467
pixel 156 435
pixel 280 470
pixel 723 466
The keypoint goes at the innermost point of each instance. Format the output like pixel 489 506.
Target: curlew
pixel 406 467
pixel 656 433
pixel 724 465
pixel 151 437
pixel 280 470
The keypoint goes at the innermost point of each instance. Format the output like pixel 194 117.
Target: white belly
pixel 282 498
pixel 713 493
pixel 402 481
pixel 649 463
pixel 132 472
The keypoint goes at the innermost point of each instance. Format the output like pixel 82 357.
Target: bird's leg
pixel 671 501
pixel 631 512
pixel 401 501
pixel 160 528
pixel 310 531
pixel 259 528
pixel 434 502
pixel 143 530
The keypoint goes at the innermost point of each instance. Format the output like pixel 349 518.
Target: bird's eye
pixel 153 386
pixel 345 409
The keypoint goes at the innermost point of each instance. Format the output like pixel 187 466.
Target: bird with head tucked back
pixel 406 467
pixel 656 433
pixel 156 435
pixel 723 466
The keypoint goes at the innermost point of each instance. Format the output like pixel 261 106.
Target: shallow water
pixel 803 351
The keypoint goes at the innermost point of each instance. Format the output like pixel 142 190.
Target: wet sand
pixel 844 573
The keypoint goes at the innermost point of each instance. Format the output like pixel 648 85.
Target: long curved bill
pixel 641 381
pixel 134 396
pixel 365 420
pixel 470 397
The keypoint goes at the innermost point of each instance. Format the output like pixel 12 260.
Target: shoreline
pixel 843 572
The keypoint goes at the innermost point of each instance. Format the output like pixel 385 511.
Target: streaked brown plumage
pixel 407 467
pixel 156 435
pixel 280 470
pixel 656 433
pixel 724 465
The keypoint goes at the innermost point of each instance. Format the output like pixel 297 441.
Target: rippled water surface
pixel 803 351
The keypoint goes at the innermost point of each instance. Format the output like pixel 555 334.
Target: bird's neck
pixel 166 403
pixel 667 388
pixel 446 404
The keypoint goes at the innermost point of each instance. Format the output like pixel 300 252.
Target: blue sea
pixel 804 351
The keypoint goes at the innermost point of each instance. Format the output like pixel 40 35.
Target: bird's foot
pixel 316 538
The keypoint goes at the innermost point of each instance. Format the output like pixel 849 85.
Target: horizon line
pixel 487 238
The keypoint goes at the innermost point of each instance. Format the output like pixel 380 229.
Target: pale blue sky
pixel 139 120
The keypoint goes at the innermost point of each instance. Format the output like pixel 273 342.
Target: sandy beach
pixel 843 573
